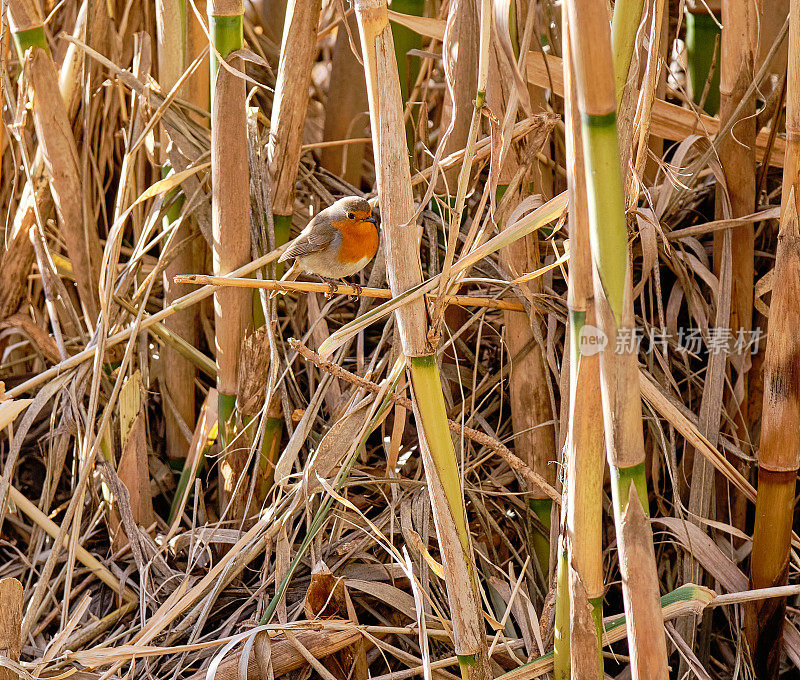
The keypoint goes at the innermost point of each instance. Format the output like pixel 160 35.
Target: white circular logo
pixel 592 340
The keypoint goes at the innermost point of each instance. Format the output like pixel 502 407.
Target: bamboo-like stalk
pixel 231 229
pixel 178 373
pixel 59 153
pixel 401 242
pixel 591 53
pixel 581 549
pixel 779 450
pixel 740 36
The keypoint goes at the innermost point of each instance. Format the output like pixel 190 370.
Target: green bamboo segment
pixel 428 394
pixel 231 234
pixel 32 37
pixel 590 42
pixel 610 247
pixel 543 509
pixel 624 27
pixel 561 640
pixel 283 226
pixel 702 45
pixel 227 35
pixel 270 450
pixel 406 40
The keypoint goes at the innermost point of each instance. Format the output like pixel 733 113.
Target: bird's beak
pixel 372 219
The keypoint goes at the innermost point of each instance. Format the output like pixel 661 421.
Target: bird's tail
pixel 291 274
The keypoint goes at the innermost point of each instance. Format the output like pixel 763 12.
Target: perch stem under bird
pixel 339 241
pixel 354 291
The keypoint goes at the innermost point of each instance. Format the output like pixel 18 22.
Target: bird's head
pixel 351 209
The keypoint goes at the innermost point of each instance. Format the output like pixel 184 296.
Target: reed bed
pixel 209 473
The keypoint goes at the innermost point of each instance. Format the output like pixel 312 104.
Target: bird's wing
pixel 316 236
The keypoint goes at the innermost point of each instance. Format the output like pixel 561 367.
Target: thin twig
pixel 516 463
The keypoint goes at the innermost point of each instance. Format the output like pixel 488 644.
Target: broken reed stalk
pixel 178 374
pixel 779 450
pixel 287 121
pixel 460 52
pixel 230 208
pixel 59 153
pixel 19 255
pixel 591 53
pixel 579 615
pixel 401 241
pixel 364 291
pixel 289 109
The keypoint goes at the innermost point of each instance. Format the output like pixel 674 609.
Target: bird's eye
pixel 351 216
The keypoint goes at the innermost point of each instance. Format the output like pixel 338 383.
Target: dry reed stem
pixel 584 444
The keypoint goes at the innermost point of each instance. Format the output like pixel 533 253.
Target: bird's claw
pixel 333 288
pixel 357 290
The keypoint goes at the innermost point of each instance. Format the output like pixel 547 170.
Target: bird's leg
pixel 358 288
pixel 333 285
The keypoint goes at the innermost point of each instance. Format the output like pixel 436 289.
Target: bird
pixel 339 241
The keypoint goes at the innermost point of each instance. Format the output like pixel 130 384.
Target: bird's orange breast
pixel 359 240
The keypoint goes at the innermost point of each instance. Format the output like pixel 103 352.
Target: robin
pixel 338 242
